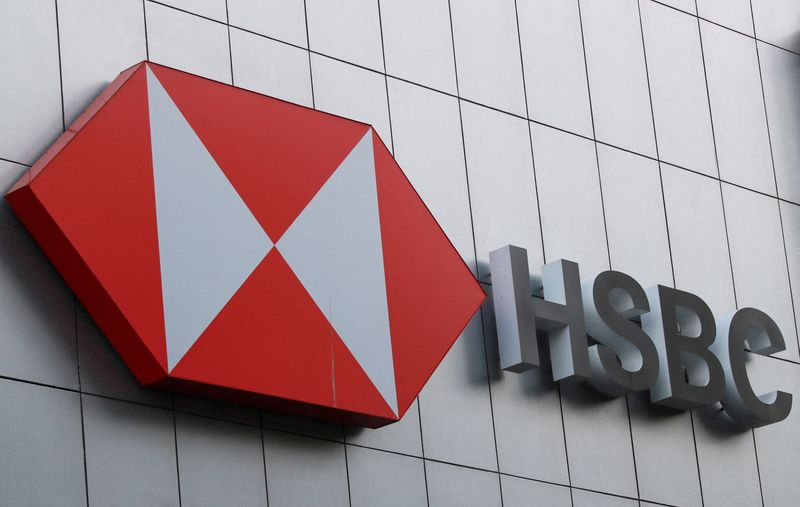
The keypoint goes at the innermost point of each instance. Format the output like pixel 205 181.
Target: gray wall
pixel 618 133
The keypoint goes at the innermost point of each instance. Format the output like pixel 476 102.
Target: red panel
pixel 276 154
pixel 42 161
pixel 99 190
pixel 431 293
pixel 269 338
pixel 83 282
pixel 104 97
pixel 76 126
pixel 354 390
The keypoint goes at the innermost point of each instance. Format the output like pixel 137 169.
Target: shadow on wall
pixel 793 120
pixel 37 309
pixel 793 115
pixel 794 40
pixel 534 383
pixel 44 327
pixel 781 80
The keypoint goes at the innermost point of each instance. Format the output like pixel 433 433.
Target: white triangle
pixel 334 248
pixel 209 242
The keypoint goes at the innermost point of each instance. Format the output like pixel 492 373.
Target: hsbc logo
pixel 236 246
pixel 660 339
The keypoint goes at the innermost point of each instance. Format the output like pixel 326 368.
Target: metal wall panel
pixel 688 6
pixel 453 486
pixel 428 146
pixel 527 416
pixel 733 14
pixel 348 30
pixel 634 211
pixel 456 407
pixel 417 42
pixel 487 53
pixel 42 446
pixel 663 442
pixel 304 471
pixel 382 478
pixel 37 310
pixel 214 9
pixel 215 409
pixel 502 185
pixel 30 93
pixel 777 445
pixel 284 20
pixel 776 22
pixel 553 58
pixel 617 74
pixel 598 431
pixel 351 92
pixel 790 214
pixel 462 79
pixel 678 88
pixel 304 426
pixel 521 492
pixel 98 40
pixel 581 498
pixel 740 125
pixel 781 72
pixel 102 372
pixel 727 461
pixel 759 260
pixel 403 436
pixel 130 453
pixel 189 43
pixel 220 463
pixel 573 225
pixel 272 68
pixel 698 237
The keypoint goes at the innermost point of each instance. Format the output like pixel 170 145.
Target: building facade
pixel 658 138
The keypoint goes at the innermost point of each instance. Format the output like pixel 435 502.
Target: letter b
pixel 683 328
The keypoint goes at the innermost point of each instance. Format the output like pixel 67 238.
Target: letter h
pixel 519 315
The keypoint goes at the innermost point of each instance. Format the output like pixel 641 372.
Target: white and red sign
pixel 238 246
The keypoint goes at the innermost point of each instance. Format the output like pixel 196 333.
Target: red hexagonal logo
pixel 237 246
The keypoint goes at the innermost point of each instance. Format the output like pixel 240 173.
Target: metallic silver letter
pixel 511 291
pixel 683 329
pixel 519 315
pixel 757 330
pixel 626 359
pixel 560 313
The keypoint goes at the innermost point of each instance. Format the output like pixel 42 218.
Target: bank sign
pixel 236 246
pixel 660 339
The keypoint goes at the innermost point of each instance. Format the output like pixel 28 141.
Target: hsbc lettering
pixel 659 339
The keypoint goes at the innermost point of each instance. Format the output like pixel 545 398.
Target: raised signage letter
pixel 757 330
pixel 626 359
pixel 519 315
pixel 511 291
pixel 683 329
pixel 560 313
